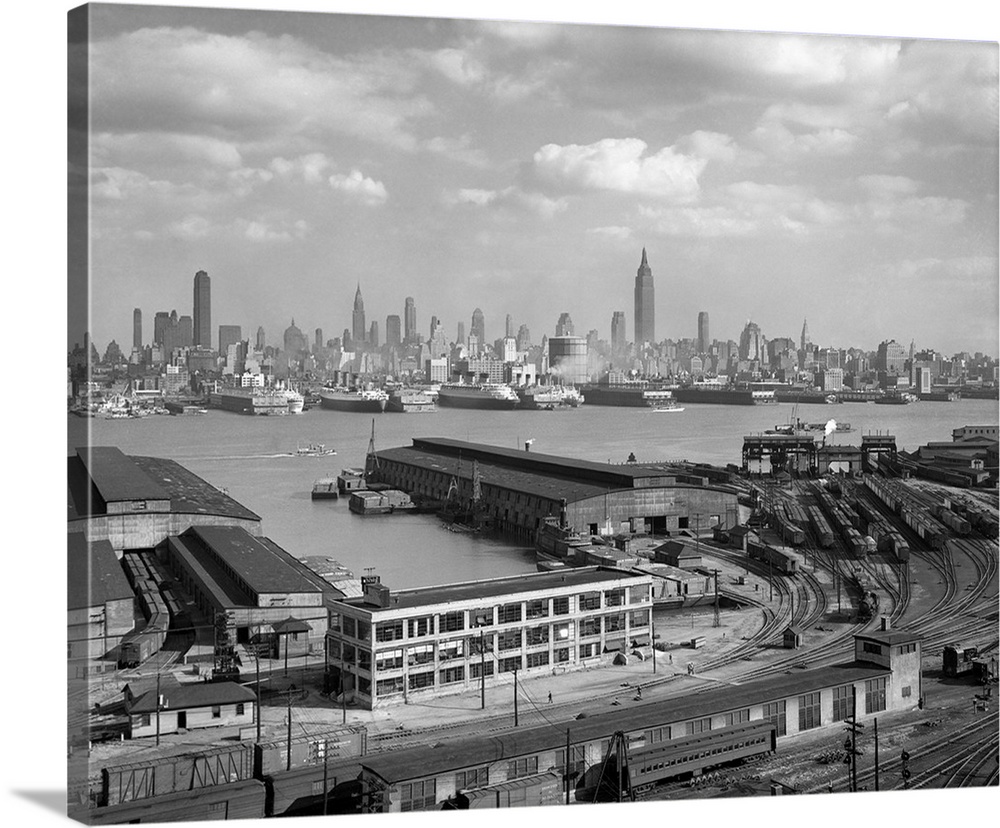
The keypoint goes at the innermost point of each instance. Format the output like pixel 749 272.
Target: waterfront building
pixel 832 379
pixel 137 328
pixel 391 646
pixel 568 359
pixel 645 327
pixel 478 328
pixel 618 332
pixel 436 369
pixel 157 708
pixel 393 333
pixel 480 368
pixel 202 310
pixel 358 329
pixel 703 339
pixel 564 327
pixel 409 321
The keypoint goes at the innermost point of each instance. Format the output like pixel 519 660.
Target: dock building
pixel 392 645
pixel 518 489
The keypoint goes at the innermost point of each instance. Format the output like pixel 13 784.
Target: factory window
pixel 509 613
pixel 475 778
pixel 364 685
pixel 586 650
pixel 349 653
pixel 737 717
pixel 639 618
pixel 144 720
pixel 613 623
pixel 697 726
pixel 905 692
pixel 590 626
pixel 364 630
pixel 389 660
pixel 560 606
pixel 842 700
pixel 216 711
pixel 451 649
pixel 476 669
pixel 333 648
pixel 577 758
pixel 657 734
pixel 509 665
pixel 907 648
pixel 452 674
pixel 335 621
pixel 614 597
pixel 482 617
pixel 452 621
pixel 522 767
pixel 561 654
pixel 509 640
pixel 589 601
pixel 364 659
pixel 421 654
pixel 419 627
pixel 536 609
pixel 389 631
pixel 419 680
pixel 874 649
pixel 874 695
pixel 538 659
pixel 417 796
pixel 809 711
pixel 537 635
pixel 562 632
pixel 638 594
pixel 775 713
pixel 389 686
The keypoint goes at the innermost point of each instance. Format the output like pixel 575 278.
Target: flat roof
pixel 419 762
pixel 117 477
pixel 95 575
pixel 255 560
pixel 891 637
pixel 576 577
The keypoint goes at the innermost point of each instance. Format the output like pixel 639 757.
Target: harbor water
pixel 253 458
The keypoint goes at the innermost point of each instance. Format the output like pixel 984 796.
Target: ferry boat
pixel 314 450
pixel 260 401
pixel 486 396
pixel 296 402
pixel 338 398
pixel 668 407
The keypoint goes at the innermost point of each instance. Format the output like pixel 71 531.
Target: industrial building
pixel 518 489
pixel 138 502
pixel 157 708
pixel 392 645
pixel 884 677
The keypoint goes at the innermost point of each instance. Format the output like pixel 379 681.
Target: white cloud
pixel 457 65
pixel 508 198
pixel 357 185
pixel 190 227
pixel 458 149
pixel 263 231
pixel 115 183
pixel 613 232
pixel 888 186
pixel 471 196
pixel 619 164
pixel 310 167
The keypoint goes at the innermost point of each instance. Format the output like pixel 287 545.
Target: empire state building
pixel 645 328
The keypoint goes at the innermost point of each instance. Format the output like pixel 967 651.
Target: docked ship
pixel 410 400
pixel 629 396
pixel 549 397
pixel 296 402
pixel 485 396
pixel 338 398
pixel 249 400
pixel 717 396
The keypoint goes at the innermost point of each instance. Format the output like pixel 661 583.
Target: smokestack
pixel 886 624
pixel 527 444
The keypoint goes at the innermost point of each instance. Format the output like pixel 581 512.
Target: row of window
pixel 682 760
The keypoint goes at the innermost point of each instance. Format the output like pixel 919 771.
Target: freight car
pixel 898 547
pixel 693 755
pixel 852 537
pixel 236 800
pixel 780 561
pixel 958 661
pixel 824 534
pixel 958 525
pixel 789 532
pixel 796 514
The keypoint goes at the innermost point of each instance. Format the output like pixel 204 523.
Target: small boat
pixel 314 450
pixel 667 407
pixel 325 489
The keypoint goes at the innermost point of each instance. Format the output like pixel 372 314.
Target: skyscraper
pixel 752 343
pixel 479 326
pixel 137 328
pixel 618 332
pixel 804 339
pixel 160 322
pixel 185 332
pixel 645 326
pixel 318 346
pixel 564 327
pixel 358 331
pixel 509 327
pixel 202 310
pixel 461 334
pixel 229 335
pixel 703 341
pixel 409 321
pixel 373 334
pixel 260 338
pixel 392 331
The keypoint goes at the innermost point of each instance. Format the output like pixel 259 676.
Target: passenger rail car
pixel 696 754
pixel 781 561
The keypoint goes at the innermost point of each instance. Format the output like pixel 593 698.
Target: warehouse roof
pixel 419 762
pixel 193 694
pixel 95 576
pixel 580 577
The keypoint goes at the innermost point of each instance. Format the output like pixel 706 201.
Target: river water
pixel 247 456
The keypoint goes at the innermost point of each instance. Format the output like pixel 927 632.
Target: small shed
pixel 791 639
pixel 291 637
pixel 676 553
pixel 187 706
pixel 740 536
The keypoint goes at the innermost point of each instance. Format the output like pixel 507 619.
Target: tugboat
pixel 314 450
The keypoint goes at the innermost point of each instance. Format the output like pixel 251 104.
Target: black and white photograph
pixel 482 412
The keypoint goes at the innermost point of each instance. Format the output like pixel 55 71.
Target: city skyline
pixel 848 181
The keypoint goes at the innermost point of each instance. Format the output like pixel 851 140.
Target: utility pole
pixel 256 660
pixel 288 759
pixel 567 766
pixel 515 697
pixel 482 670
pixel 875 725
pixel 157 706
pixel 652 638
pixel 851 742
pixel 718 621
pixel 326 786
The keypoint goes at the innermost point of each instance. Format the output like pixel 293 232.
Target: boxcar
pixel 238 800
pixel 822 529
pixel 780 561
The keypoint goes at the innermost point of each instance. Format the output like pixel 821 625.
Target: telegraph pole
pixel 482 670
pixel 515 697
pixel 256 660
pixel 288 760
pixel 851 742
pixel 157 706
pixel 717 622
pixel 875 725
pixel 326 786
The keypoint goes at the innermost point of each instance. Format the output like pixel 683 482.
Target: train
pixel 824 534
pixel 789 532
pixel 958 661
pixel 796 514
pixel 780 561
pixel 158 606
pixel 959 525
pixel 892 494
pixel 868 600
pixel 236 800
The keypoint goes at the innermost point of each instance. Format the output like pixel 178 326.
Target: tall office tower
pixel 373 334
pixel 293 339
pixel 260 338
pixel 523 338
pixel 229 335
pixel 752 343
pixel 202 310
pixel 461 334
pixel 347 341
pixel 319 340
pixel 171 336
pixel 509 327
pixel 479 326
pixel 392 331
pixel 185 331
pixel 703 341
pixel 358 331
pixel 804 339
pixel 645 326
pixel 434 326
pixel 913 363
pixel 564 327
pixel 891 357
pixel 409 321
pixel 618 332
pixel 160 322
pixel 137 328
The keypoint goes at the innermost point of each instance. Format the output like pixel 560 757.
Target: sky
pixel 522 168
